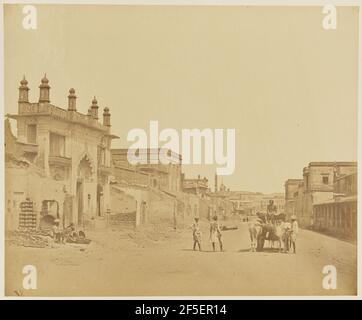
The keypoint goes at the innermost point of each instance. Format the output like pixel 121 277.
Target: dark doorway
pixel 99 200
pixel 68 209
pixel 80 202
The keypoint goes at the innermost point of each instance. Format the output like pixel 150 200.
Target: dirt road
pixel 122 262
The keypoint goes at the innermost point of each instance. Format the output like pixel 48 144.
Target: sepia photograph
pixel 180 150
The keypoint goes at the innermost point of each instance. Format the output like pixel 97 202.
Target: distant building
pixel 316 186
pixel 246 202
pixel 249 203
pixel 277 198
pixel 291 193
pixel 60 160
pixel 156 175
pixel 300 204
pixel 339 214
pixel 199 186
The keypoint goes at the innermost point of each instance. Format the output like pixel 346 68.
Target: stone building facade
pixel 65 160
pixel 339 214
pixel 291 191
pixel 156 175
pixel 316 186
pixel 198 186
pixel 245 202
pixel 250 203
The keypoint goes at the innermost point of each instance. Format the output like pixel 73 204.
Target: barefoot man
pixel 215 233
pixel 197 235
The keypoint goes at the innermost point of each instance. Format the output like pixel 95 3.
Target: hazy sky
pixel 286 85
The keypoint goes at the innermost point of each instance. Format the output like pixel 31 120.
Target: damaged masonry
pixel 58 167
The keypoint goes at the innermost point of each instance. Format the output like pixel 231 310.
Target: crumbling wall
pixel 23 181
pixel 161 208
pixel 204 209
pixel 121 202
pixel 147 205
pixel 131 203
pixel 131 176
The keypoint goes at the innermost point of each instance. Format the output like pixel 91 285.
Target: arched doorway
pixel 49 212
pixel 84 174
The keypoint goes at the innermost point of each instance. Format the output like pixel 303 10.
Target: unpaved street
pixel 161 262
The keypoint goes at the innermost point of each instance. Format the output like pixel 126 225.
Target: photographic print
pixel 180 150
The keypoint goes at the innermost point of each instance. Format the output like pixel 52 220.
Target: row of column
pixel 337 217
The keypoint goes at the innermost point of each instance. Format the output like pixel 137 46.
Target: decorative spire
pixel 106 117
pixel 72 100
pixel 23 91
pixel 94 108
pixel 44 90
pixel 24 82
pixel 45 79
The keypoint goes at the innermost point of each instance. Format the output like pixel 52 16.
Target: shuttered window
pixel 31 133
pixel 57 145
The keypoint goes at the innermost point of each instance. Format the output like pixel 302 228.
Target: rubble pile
pixel 152 234
pixel 29 239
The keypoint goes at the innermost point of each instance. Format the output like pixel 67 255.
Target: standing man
pixel 196 233
pixel 57 232
pixel 215 233
pixel 271 211
pixel 286 230
pixel 294 232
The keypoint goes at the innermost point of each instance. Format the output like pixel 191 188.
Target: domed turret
pixel 44 90
pixel 23 91
pixel 45 79
pixel 72 100
pixel 106 117
pixel 24 82
pixel 94 108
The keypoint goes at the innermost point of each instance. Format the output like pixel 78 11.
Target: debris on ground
pixel 29 239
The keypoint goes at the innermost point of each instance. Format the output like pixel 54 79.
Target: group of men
pixel 285 231
pixel 68 234
pixel 214 236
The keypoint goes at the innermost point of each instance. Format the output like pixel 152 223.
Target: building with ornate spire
pixel 60 160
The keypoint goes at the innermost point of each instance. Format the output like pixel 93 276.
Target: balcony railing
pixel 28 147
pixel 60 113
